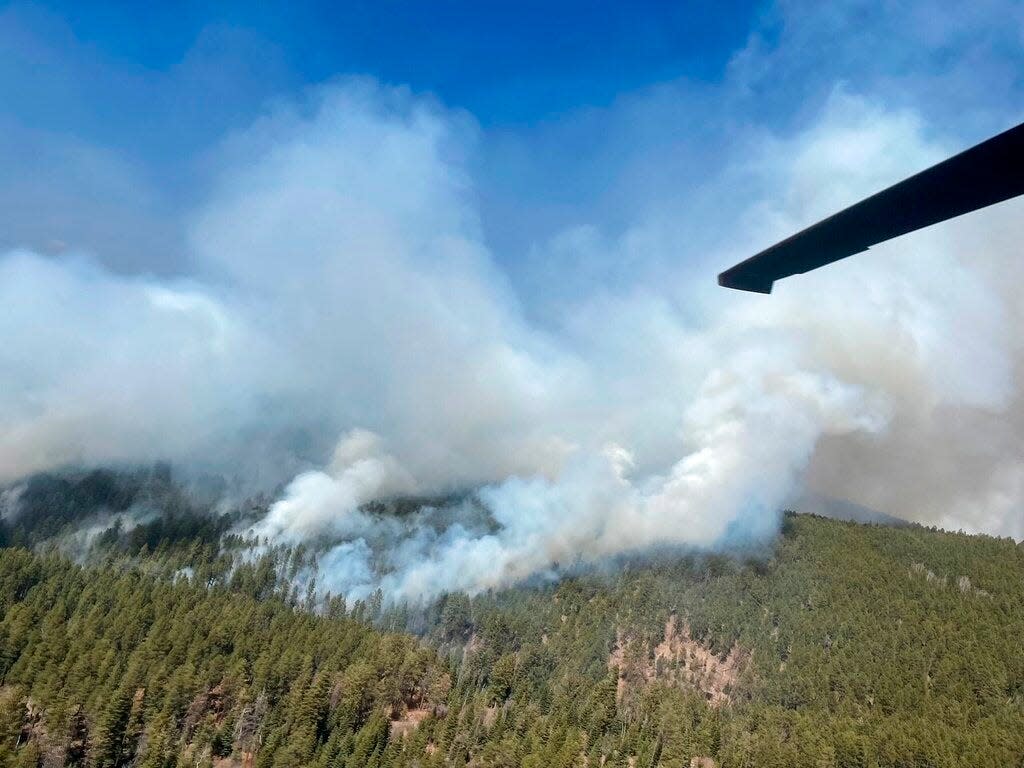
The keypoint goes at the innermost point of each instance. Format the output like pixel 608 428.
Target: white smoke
pixel 328 503
pixel 343 287
pixel 10 502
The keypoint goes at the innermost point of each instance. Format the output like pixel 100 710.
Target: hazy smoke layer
pixel 343 288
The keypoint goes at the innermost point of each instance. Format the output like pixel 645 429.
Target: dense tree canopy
pixel 845 645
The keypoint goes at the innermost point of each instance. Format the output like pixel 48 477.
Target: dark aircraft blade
pixel 983 175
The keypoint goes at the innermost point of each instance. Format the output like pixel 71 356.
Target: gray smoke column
pixel 343 294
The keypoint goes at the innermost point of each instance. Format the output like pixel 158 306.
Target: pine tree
pixel 110 733
pixel 370 742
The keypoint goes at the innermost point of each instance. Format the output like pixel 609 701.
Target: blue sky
pixel 157 79
pixel 425 246
pixel 158 85
pixel 504 61
pixel 571 99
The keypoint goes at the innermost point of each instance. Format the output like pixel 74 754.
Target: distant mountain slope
pixel 841 509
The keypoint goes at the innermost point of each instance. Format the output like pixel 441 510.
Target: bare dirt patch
pixel 403 726
pixel 679 660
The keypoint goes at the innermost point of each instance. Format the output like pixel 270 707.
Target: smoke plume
pixel 343 294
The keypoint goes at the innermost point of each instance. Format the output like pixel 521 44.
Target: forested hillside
pixel 845 645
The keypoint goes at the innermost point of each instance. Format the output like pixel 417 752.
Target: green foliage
pixel 847 646
pixel 144 670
